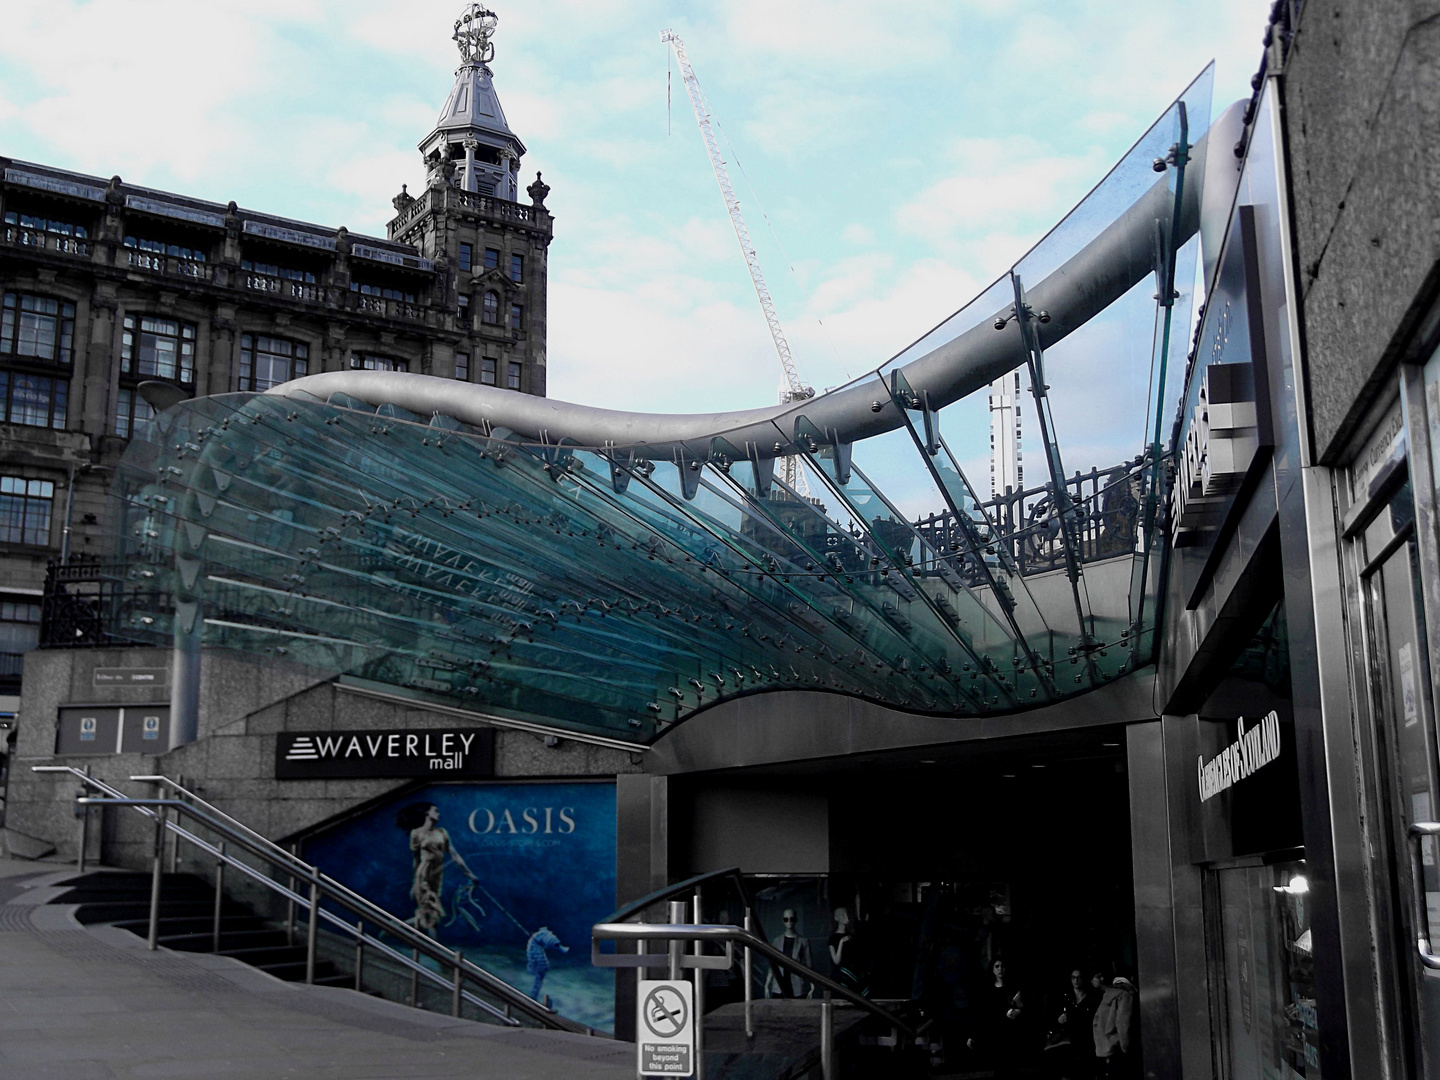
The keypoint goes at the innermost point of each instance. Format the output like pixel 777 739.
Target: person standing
pixel 786 983
pixel 1113 1027
pixel 997 1022
pixel 1072 1042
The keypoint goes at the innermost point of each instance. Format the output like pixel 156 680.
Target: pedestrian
pixel 1069 1051
pixel 996 1022
pixel 1113 1027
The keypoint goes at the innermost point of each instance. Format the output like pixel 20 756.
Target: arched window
pixel 490 315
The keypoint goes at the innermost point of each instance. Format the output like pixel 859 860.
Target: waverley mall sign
pixel 326 755
pixel 1251 750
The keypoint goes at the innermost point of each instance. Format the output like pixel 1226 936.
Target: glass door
pixel 1396 652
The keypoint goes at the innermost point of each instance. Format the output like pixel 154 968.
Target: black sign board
pixel 433 752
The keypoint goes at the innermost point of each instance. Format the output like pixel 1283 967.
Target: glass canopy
pixel 613 590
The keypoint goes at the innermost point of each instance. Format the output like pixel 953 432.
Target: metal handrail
pixel 683 889
pixel 299 867
pixel 322 885
pixel 736 936
pixel 215 811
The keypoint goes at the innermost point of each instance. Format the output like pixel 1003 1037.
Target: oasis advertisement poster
pixel 513 874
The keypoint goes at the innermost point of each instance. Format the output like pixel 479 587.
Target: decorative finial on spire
pixel 473 33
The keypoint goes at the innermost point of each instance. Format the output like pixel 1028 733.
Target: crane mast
pixel 794 389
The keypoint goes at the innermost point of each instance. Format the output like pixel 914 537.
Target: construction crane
pixel 792 388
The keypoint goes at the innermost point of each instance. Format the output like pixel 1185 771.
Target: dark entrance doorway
pixel 935 863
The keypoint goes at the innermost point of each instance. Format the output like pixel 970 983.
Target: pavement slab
pixel 92 1002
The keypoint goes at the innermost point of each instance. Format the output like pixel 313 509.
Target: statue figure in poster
pixel 429 845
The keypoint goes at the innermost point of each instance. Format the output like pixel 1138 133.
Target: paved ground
pixel 83 1003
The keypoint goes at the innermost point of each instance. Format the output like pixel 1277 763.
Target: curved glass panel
pixel 851 543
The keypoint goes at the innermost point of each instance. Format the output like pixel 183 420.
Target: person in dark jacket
pixel 1113 1028
pixel 996 1028
pixel 1070 1050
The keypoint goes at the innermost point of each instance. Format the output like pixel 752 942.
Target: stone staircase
pixel 187 911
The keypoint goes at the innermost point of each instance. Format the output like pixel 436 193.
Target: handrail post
pixel 219 899
pixel 827 1037
pixel 677 915
pixel 290 910
pixel 455 999
pixel 415 980
pixel 749 981
pixel 359 953
pixel 156 868
pixel 175 846
pixel 312 931
pixel 699 997
pixel 84 827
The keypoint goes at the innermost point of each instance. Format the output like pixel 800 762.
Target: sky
pixel 891 158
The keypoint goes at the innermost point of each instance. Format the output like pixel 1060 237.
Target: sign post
pixel 665 1028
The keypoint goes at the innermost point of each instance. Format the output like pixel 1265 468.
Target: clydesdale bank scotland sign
pixel 434 752
pixel 1253 749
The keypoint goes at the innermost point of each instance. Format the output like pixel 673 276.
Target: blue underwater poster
pixel 513 874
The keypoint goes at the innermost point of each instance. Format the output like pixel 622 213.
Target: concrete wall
pixel 245 702
pixel 1362 97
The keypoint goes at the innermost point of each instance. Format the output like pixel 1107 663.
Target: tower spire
pixel 471 144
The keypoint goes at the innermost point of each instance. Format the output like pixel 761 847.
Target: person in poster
pixel 429 844
pixel 537 958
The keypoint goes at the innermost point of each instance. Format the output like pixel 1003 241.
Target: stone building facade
pixel 108 285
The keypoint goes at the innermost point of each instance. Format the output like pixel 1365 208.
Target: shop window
pixel 467 255
pixel 369 362
pixel 33 400
pixel 270 361
pixel 1268 963
pixel 37 328
pixel 25 507
pixel 462 366
pixel 132 414
pixel 154 348
pixel 490 309
pixel 487 370
pixel 512 375
pixel 517 268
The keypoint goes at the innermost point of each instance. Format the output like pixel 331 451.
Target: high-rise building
pixel 107 285
pixel 1007 460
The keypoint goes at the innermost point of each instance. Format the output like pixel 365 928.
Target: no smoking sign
pixel 665 1030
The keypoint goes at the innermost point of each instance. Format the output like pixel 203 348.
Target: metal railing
pixel 320 887
pixel 619 927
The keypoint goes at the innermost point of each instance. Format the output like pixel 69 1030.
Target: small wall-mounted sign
pixel 436 753
pixel 130 676
pixel 112 729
